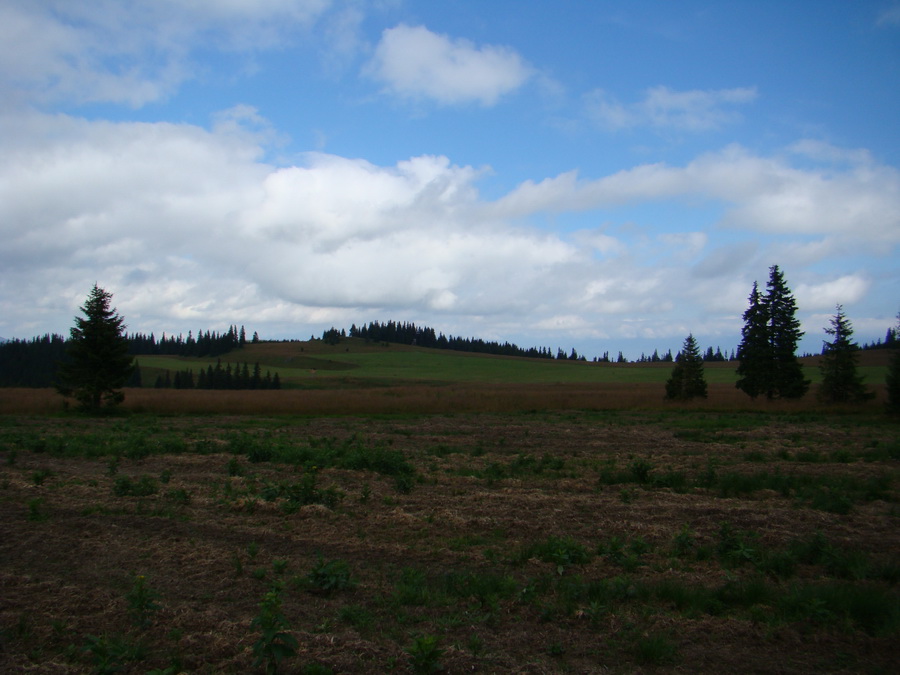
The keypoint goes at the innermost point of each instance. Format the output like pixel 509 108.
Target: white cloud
pixel 842 291
pixel 128 51
pixel 764 194
pixel 663 108
pixel 413 62
pixel 191 229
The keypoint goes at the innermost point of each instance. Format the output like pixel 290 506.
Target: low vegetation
pixel 668 536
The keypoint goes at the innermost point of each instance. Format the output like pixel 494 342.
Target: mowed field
pixel 434 512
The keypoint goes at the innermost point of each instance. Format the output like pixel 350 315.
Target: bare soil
pixel 487 490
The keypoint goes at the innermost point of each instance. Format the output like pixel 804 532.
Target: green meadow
pixel 354 362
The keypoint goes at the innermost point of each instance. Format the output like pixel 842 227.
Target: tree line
pixel 209 343
pixel 36 362
pixel 423 336
pixel 239 377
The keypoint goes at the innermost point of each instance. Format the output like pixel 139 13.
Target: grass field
pixel 316 364
pixel 403 511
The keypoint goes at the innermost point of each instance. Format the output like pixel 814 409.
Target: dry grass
pixel 423 399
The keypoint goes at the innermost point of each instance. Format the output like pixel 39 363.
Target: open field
pixel 356 363
pixel 550 541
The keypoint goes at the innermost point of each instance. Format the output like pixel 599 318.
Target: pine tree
pixel 840 381
pixel 687 380
pixel 98 364
pixel 893 375
pixel 787 379
pixel 753 351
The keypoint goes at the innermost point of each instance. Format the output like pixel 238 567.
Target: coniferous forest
pixel 35 362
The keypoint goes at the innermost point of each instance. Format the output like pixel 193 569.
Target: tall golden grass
pixel 425 399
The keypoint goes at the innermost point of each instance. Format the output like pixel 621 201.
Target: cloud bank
pixel 187 224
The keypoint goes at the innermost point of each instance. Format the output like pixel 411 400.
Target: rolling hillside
pixel 356 363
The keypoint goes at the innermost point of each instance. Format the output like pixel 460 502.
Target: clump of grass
pixel 563 552
pixel 38 477
pixel 141 601
pixel 356 615
pixel 485 587
pixel 425 654
pixel 35 512
pixel 144 486
pixel 413 588
pixel 300 493
pixel 654 649
pixel 234 467
pixel 872 609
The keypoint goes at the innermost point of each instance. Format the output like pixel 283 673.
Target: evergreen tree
pixel 893 376
pixel 98 363
pixel 787 379
pixel 767 354
pixel 840 381
pixel 687 380
pixel 753 351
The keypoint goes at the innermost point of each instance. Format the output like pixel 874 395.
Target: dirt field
pixel 692 541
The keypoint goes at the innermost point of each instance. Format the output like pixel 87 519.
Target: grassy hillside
pixel 353 362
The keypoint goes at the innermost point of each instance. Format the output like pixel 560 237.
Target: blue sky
pixel 600 175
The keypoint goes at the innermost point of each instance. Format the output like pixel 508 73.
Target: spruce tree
pixel 840 381
pixel 98 363
pixel 767 353
pixel 786 379
pixel 893 375
pixel 753 352
pixel 687 380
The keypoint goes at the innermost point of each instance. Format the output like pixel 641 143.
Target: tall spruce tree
pixel 753 353
pixel 840 381
pixel 98 363
pixel 893 375
pixel 687 380
pixel 787 379
pixel 767 353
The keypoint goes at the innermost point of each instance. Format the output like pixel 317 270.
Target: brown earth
pixel 488 490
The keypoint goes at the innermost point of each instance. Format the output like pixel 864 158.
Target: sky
pixel 604 176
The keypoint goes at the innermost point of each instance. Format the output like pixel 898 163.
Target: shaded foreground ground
pixel 689 541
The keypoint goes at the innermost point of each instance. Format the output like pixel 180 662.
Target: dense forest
pixel 34 363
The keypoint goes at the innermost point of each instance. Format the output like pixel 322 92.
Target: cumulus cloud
pixel 126 51
pixel 764 194
pixel 415 63
pixel 192 228
pixel 193 219
pixel 663 108
pixel 842 291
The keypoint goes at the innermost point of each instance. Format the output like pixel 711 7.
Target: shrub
pixel 274 644
pixel 328 576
